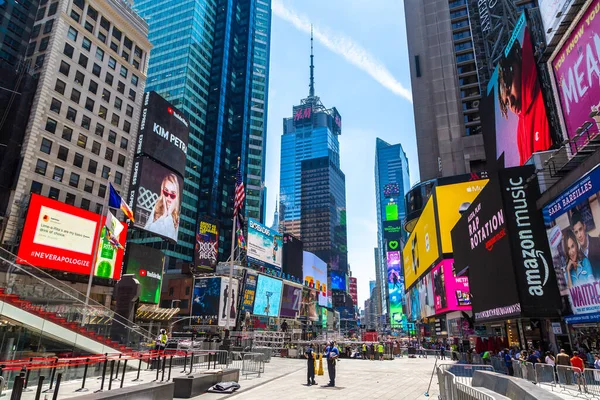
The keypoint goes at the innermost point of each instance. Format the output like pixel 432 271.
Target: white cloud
pixel 345 47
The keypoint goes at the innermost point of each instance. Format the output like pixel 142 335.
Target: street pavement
pixel 402 378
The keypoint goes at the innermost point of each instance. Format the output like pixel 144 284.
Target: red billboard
pixel 353 290
pixel 62 237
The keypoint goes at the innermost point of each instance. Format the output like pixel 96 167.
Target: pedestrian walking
pixel 562 359
pixel 577 362
pixel 508 362
pixel 442 352
pixel 364 351
pixel 331 353
pixel 380 351
pixel 309 354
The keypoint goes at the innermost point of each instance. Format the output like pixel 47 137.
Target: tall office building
pixel 211 60
pixel 392 182
pixel 311 132
pixel 91 58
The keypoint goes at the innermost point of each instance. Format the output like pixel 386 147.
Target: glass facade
pixel 392 182
pixel 210 59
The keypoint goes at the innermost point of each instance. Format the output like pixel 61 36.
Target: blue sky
pixel 361 68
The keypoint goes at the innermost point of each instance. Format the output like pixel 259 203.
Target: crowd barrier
pixel 247 363
pixel 463 373
pixel 452 387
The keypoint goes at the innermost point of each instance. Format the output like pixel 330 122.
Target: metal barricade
pixel 476 359
pixel 464 373
pixel 592 381
pixel 265 351
pixel 452 389
pixel 545 374
pixel 252 363
pixel 499 365
pixel 529 372
pixel 569 377
pixel 517 368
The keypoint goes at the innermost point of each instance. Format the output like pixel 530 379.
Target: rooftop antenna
pixel 311 92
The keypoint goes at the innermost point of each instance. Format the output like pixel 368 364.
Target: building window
pixel 75 15
pixel 71 114
pixel 46 146
pixel 89 27
pixel 52 9
pixel 83 60
pixel 74 180
pixel 92 167
pixel 99 129
pixel 105 172
pixel 96 148
pixel 54 193
pixel 82 141
pixel 89 185
pixel 93 87
pixel 60 86
pixel 55 105
pixel 40 13
pixel 101 190
pixel 127 126
pixel 137 52
pixel 112 136
pixel 39 61
pixel 41 166
pixel 79 78
pixel 108 154
pixel 124 143
pixel 99 54
pixel 86 44
pixel 68 50
pixel 63 153
pixel 75 96
pixel 114 47
pixel 64 68
pixel 108 79
pixel 118 178
pixel 127 43
pixel 121 160
pixel 121 87
pixel 116 34
pixel 89 104
pixel 36 31
pixel 85 204
pixel 106 95
pixel 102 37
pixel 36 187
pixel 115 120
pixel 112 63
pixel 85 122
pixel 92 13
pixel 123 72
pixel 96 70
pixel 67 133
pixel 48 26
pixel 118 103
pixel 78 160
pixel 102 112
pixel 70 199
pixel 51 125
pixel 44 43
pixel 104 23
pixel 131 94
pixel 129 111
pixel 58 173
pixel 136 64
pixel 125 55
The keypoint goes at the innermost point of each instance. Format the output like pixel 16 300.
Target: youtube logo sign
pixel 143 272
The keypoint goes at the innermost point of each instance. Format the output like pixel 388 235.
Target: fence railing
pixel 247 363
pixel 453 387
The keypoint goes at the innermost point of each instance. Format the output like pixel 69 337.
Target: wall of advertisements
pixel 291 300
pixel 267 300
pixel 576 72
pixel 147 264
pixel 315 275
pixel 450 201
pixel 62 237
pixel 573 228
pixel 206 300
pixel 206 248
pixel 421 249
pixel 265 245
pixel 520 121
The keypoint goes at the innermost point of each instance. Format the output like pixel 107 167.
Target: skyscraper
pixel 211 60
pixel 392 181
pixel 312 132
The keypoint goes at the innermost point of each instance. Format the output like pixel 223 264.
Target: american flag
pixel 240 193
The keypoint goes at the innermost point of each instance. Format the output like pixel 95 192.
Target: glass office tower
pixel 210 59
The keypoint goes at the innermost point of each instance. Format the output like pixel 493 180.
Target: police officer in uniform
pixel 331 353
pixel 310 355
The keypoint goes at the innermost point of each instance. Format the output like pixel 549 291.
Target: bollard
pixel 184 363
pixel 17 390
pixel 52 377
pixel 103 375
pixel 170 366
pixel 139 369
pixel 27 374
pixel 85 370
pixel 164 366
pixel 215 360
pixel 58 378
pixel 38 393
pixel 112 367
pixel 118 365
pixel 123 376
pixel 157 368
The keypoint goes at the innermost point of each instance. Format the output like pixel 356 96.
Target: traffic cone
pixel 320 370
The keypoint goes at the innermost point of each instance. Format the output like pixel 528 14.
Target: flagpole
pixel 233 228
pixel 96 244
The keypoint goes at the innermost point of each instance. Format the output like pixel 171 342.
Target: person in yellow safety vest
pixel 380 351
pixel 161 341
pixel 364 351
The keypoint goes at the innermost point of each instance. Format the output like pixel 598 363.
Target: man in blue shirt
pixel 508 362
pixel 310 355
pixel 331 353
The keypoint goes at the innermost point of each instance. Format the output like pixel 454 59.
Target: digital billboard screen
pixel 451 201
pixel 291 301
pixel 265 245
pixel 576 72
pixel 395 281
pixel 268 296
pixel 573 229
pixel 228 309
pixel 421 249
pixel 315 275
pixel 147 264
pixel 353 287
pixel 164 132
pixel 338 280
pixel 309 304
pixel 520 120
pixel 62 237
pixel 206 300
pixel 155 198
pixel 249 291
pixel 450 293
pixel 206 249
pixel 292 256
pixel 392 234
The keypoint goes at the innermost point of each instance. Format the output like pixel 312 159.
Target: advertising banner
pixel 573 230
pixel 421 249
pixel 291 301
pixel 315 275
pixel 577 78
pixel 392 235
pixel 155 198
pixel 228 309
pixel 451 200
pixel 346 313
pixel 206 299
pixel 309 304
pixel 302 114
pixel 426 300
pixel 395 288
pixel 450 293
pixel 62 237
pixel 249 291
pixel 292 256
pixel 164 132
pixel 268 296
pixel 353 290
pixel 338 280
pixel 265 245
pixel 521 124
pixel 206 249
pixel 147 264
